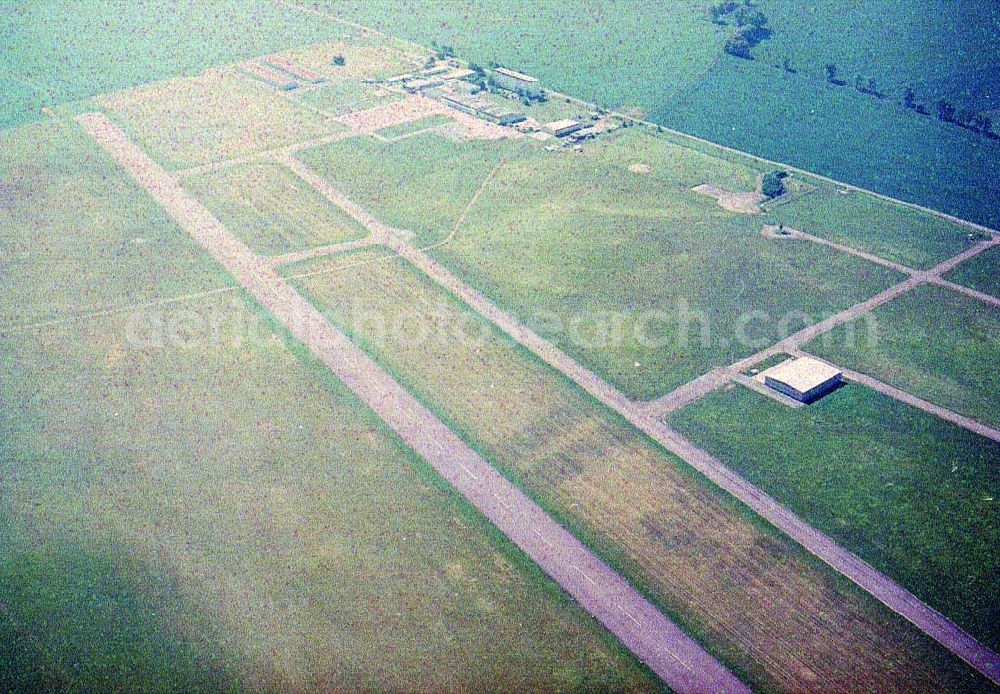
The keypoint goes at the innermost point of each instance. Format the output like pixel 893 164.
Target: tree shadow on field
pixel 71 619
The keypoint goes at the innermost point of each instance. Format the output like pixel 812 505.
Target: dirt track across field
pixel 880 586
pixel 912 400
pixel 655 640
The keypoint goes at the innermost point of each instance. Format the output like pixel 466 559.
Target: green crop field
pixel 633 274
pixel 894 232
pixel 188 501
pixel 56 51
pixel 272 209
pixel 603 53
pixel 711 564
pixel 934 343
pixel 804 121
pixel 863 37
pixel 914 496
pixel 76 234
pixel 981 272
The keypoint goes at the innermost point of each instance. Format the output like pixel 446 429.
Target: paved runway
pixel 678 660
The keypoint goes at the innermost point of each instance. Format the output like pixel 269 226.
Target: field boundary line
pixel 87 315
pixel 320 251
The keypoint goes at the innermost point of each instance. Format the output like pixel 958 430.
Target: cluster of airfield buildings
pixel 795 381
pixel 461 88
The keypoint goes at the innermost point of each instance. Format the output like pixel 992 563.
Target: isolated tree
pixel 909 98
pixel 339 60
pixel 772 184
pixel 786 65
pixel 831 72
pixel 945 110
pixel 873 87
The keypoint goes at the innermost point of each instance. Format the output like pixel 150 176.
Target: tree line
pixel 944 110
pixel 750 28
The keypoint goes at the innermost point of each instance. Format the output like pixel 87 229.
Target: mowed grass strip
pixel 889 230
pixel 937 344
pixel 981 272
pixel 914 496
pixel 272 209
pixel 188 502
pixel 412 127
pixel 634 275
pixel 769 611
pixel 213 116
pixel 347 95
pixel 77 234
pixel 367 56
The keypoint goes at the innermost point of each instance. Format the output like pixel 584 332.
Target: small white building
pixel 517 81
pixel 562 128
pixel 804 379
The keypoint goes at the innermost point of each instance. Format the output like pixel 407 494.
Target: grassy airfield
pixel 907 492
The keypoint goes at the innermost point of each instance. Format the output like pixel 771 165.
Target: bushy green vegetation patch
pixel 937 344
pixel 914 496
pixel 189 501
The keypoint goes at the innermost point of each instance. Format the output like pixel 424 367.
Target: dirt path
pixel 796 234
pixel 912 400
pixel 320 251
pixel 687 393
pixel 985 298
pixel 933 275
pixel 655 640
